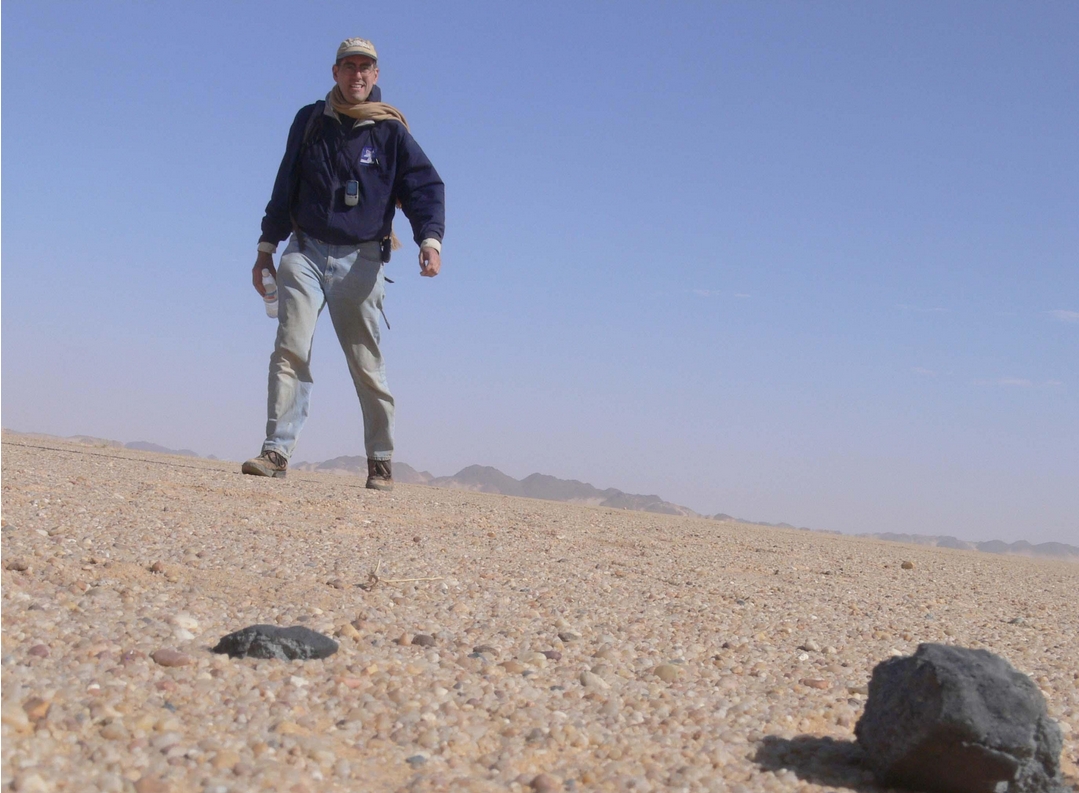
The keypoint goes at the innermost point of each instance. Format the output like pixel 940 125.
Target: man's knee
pixel 290 362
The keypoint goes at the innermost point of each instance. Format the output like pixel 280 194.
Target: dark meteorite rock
pixel 269 641
pixel 956 720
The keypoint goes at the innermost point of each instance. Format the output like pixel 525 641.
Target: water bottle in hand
pixel 269 286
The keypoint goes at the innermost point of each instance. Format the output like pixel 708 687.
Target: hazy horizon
pixel 813 264
pixel 161 448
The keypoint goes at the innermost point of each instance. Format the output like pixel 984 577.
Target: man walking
pixel 349 162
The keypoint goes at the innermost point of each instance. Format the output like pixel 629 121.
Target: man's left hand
pixel 430 262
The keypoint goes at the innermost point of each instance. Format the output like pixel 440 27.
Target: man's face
pixel 355 75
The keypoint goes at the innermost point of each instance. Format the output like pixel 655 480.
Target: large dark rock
pixel 270 641
pixel 956 720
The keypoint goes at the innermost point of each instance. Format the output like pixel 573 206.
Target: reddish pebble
pixel 553 655
pixel 151 784
pixel 157 567
pixel 169 657
pixel 813 682
pixel 39 650
pixel 545 783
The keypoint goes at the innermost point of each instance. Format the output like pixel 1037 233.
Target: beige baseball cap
pixel 357 47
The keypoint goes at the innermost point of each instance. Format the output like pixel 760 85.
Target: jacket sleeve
pixel 277 222
pixel 420 190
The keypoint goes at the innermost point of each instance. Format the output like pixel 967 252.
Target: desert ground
pixel 544 646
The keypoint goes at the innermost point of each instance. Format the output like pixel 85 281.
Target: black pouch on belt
pixel 387 247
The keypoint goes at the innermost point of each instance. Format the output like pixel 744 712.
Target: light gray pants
pixel 349 280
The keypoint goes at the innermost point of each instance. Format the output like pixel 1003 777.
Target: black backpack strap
pixel 312 120
pixel 308 131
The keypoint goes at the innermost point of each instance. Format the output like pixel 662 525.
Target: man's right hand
pixel 264 261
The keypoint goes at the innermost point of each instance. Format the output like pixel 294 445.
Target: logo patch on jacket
pixel 367 155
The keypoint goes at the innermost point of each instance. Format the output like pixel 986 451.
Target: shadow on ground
pixel 822 761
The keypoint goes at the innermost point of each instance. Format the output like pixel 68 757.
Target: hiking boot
pixel 269 463
pixel 379 476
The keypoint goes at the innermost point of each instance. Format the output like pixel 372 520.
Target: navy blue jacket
pixel 382 156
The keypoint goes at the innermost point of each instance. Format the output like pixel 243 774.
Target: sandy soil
pixel 570 647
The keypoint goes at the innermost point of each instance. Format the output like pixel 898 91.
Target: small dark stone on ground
pixel 416 760
pixel 423 640
pixel 270 641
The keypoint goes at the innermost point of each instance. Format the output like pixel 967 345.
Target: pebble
pixel 668 673
pixel 39 651
pixel 225 759
pixel 31 783
pixel 151 784
pixel 347 631
pixel 569 636
pixel 167 656
pixel 815 682
pixel 907 565
pixel 423 640
pixel 545 783
pixel 553 655
pixel 810 646
pixel 592 680
pixel 185 621
pixel 36 708
pixel 19 565
pixel 114 731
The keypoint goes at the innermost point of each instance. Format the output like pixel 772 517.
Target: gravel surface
pixel 558 647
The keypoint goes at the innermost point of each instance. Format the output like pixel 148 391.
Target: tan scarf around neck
pixel 367 111
pixel 364 111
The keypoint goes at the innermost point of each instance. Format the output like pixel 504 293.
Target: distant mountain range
pixel 485 479
pixel 1054 550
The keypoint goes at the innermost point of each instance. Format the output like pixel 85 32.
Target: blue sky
pixel 803 262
